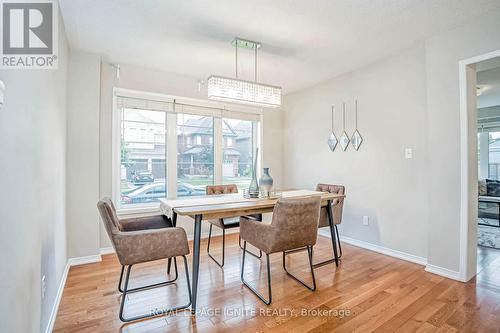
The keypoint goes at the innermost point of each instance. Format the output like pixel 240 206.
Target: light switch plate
pixel 408 153
pixel 366 220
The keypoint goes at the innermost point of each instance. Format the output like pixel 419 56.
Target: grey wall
pixel 443 52
pixel 409 100
pixel 32 200
pixel 82 175
pixel 380 182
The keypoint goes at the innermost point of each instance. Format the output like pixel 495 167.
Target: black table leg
pixel 332 232
pixel 335 259
pixel 196 259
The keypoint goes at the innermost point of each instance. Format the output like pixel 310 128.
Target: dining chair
pixel 337 208
pixel 294 226
pixel 225 223
pixel 142 240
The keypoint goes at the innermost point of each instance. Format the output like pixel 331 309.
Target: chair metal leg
pixel 120 281
pixel 164 283
pixel 174 223
pixel 338 241
pixel 156 312
pixel 249 252
pixel 175 267
pixel 268 301
pixel 309 254
pixel 223 246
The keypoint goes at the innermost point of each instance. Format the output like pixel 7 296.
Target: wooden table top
pixel 227 205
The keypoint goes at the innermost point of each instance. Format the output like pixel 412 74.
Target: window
pixel 489 154
pixel 195 163
pixel 142 156
pixel 165 148
pixel 238 152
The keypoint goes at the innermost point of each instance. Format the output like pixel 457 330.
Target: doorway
pixel 480 169
pixel 488 127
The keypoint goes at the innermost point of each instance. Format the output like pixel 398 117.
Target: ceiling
pixel 303 42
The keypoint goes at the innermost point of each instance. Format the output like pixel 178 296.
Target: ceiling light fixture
pixel 480 89
pixel 240 91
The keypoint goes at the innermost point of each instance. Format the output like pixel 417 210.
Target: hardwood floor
pixel 369 292
pixel 488 267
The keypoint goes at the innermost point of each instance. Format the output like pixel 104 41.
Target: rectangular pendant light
pixel 244 92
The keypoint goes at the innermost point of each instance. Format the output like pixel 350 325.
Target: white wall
pixel 178 85
pixel 82 176
pixel 32 200
pixel 443 52
pixel 380 182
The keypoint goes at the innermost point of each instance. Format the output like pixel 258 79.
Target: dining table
pixel 232 205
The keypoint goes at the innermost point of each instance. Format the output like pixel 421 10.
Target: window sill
pixel 130 211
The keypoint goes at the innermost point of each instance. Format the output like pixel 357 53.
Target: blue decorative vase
pixel 266 182
pixel 253 190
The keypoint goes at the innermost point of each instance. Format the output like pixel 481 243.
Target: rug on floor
pixel 488 235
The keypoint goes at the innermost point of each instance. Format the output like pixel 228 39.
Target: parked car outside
pixel 188 190
pixel 142 177
pixel 154 192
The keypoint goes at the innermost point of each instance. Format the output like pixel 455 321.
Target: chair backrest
pixel 295 221
pixel 221 189
pixel 108 214
pixel 337 204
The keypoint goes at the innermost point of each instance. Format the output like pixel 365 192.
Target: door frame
pixel 468 163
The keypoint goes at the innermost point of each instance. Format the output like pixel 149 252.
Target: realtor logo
pixel 29 34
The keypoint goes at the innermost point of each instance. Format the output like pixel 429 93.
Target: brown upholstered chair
pixel 142 240
pixel 294 226
pixel 225 223
pixel 337 208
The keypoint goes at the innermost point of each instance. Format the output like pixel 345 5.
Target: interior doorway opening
pixel 480 169
pixel 488 148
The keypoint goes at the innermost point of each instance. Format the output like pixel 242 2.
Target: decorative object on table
pixel 344 138
pixel 266 182
pixel 253 189
pixel 332 140
pixel 356 138
pixel 273 194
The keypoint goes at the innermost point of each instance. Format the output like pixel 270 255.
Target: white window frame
pixel 229 111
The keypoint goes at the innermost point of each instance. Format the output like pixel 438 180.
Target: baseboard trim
pixel 448 273
pixel 84 260
pixel 57 301
pixel 380 249
pixel 71 262
pixel 106 250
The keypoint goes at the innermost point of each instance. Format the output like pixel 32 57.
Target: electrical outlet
pixel 44 286
pixel 366 220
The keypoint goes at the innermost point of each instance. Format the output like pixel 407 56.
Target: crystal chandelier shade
pixel 245 92
pixel 240 91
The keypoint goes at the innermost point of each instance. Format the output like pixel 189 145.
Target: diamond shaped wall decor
pixel 356 140
pixel 344 141
pixel 332 141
